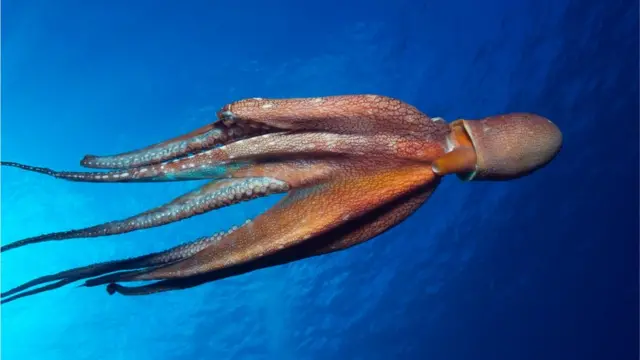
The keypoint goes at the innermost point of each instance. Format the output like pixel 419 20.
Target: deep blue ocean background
pixel 544 267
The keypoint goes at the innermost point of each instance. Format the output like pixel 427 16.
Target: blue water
pixel 544 267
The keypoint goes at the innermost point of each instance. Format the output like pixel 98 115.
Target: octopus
pixel 351 167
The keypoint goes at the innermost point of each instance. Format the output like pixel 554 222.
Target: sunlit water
pixel 539 268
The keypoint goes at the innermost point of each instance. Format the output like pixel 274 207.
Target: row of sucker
pixel 203 165
pixel 193 167
pixel 222 132
pixel 234 191
pixel 188 251
pixel 171 255
pixel 160 152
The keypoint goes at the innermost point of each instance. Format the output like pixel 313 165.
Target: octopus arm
pixel 349 234
pixel 354 114
pixel 145 261
pixel 223 161
pixel 302 216
pixel 214 195
pixel 247 183
pixel 347 114
pixel 202 139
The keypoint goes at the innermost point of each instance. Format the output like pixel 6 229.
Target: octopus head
pixel 500 147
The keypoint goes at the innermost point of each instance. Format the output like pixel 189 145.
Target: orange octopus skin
pixel 352 167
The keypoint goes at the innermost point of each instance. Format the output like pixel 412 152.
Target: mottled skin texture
pixel 507 145
pixel 352 167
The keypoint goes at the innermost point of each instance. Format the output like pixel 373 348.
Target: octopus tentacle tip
pixel 111 288
pixel 90 161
